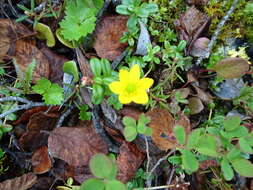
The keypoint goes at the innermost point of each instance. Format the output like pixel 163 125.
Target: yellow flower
pixel 131 87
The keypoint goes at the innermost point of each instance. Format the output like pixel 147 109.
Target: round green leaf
pixel 129 122
pixel 207 145
pixel 194 138
pixel 45 33
pixel 71 68
pixel 180 134
pixel 231 123
pixel 92 184
pixel 244 145
pixel 189 161
pixel 227 169
pixel 141 128
pixel 243 167
pixel 130 133
pixel 62 40
pixel 101 166
pixel 115 185
pixel 148 131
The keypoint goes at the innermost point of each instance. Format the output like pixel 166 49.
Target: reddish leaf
pixel 107 42
pixel 41 161
pixel 75 145
pixel 128 161
pixel 162 124
pixel 230 68
pixel 19 183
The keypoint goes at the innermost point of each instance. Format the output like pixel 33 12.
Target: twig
pixel 217 33
pixel 157 164
pixel 21 107
pixel 63 116
pixel 148 156
pixel 17 99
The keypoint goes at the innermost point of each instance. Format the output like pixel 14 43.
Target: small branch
pixel 63 116
pixel 148 156
pixel 164 186
pixel 21 107
pixel 217 33
pixel 157 164
pixel 17 99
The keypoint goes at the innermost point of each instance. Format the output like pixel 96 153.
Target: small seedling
pixel 132 128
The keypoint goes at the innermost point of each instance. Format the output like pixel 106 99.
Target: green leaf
pixel 92 184
pixel 194 138
pixel 101 166
pixel 123 9
pixel 96 67
pixel 42 86
pixel 141 128
pixel 149 131
pixel 71 68
pixel 207 145
pixel 231 123
pixel 115 184
pixel 54 95
pixel 180 135
pixel 84 114
pixel 132 22
pixel 129 122
pixel 106 67
pixel 175 160
pixel 227 169
pixel 97 94
pixel 143 119
pixel 243 167
pixel 44 32
pixel 130 133
pixel 65 42
pixel 244 145
pixel 233 154
pixel 233 67
pixel 189 161
pixel 239 132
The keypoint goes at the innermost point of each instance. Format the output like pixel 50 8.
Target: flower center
pixel 130 88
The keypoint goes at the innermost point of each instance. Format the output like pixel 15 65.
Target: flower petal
pixel 124 99
pixel 123 75
pixel 141 97
pixel 145 83
pixel 135 73
pixel 116 87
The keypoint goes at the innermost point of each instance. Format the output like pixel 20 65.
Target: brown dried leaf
pixel 199 47
pixel 197 2
pixel 19 183
pixel 128 161
pixel 10 32
pixel 129 111
pixel 75 145
pixel 204 96
pixel 162 124
pixel 233 67
pixel 190 25
pixel 41 161
pixel 107 43
pixel 195 105
pixel 24 54
pixel 208 163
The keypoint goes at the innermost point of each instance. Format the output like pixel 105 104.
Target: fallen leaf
pixel 107 43
pixel 43 183
pixel 19 183
pixel 143 40
pixel 208 163
pixel 204 96
pixel 229 89
pixel 75 145
pixel 199 47
pixel 195 105
pixel 129 111
pixel 128 161
pixel 233 67
pixel 36 135
pixel 190 25
pixel 162 124
pixel 197 2
pixel 41 161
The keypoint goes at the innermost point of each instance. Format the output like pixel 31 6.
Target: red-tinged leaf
pixel 75 145
pixel 128 161
pixel 233 67
pixel 41 161
pixel 19 183
pixel 107 42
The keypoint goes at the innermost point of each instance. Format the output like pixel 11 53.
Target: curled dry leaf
pixel 190 25
pixel 19 183
pixel 199 47
pixel 75 145
pixel 128 161
pixel 41 161
pixel 233 67
pixel 162 124
pixel 204 96
pixel 195 105
pixel 107 42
